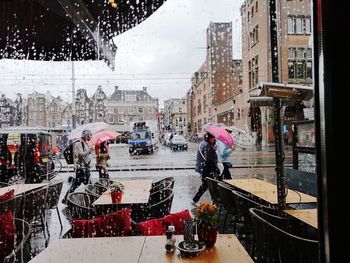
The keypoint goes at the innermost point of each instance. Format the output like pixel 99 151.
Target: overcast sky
pixel 161 53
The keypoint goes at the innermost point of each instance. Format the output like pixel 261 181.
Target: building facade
pixel 175 115
pixel 230 110
pixel 82 107
pixel 127 106
pixel 7 110
pixel 294 56
pixel 35 110
pixel 98 105
pixel 54 111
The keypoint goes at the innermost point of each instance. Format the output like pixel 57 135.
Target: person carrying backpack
pixel 82 160
pixel 206 164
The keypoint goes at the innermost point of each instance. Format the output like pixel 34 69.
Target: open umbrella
pixel 103 136
pixel 64 30
pixel 219 133
pixel 94 127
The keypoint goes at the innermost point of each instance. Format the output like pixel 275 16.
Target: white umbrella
pixel 94 127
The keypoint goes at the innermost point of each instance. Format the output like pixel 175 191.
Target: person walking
pixel 102 156
pixel 223 153
pixel 82 160
pixel 206 164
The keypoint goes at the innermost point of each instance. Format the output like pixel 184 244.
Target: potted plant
pixel 117 190
pixel 207 223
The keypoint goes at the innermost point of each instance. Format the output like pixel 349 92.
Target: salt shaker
pixel 172 229
pixel 170 239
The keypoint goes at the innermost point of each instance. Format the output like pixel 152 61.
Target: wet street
pixel 163 163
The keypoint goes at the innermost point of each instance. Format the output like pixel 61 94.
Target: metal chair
pixel 34 205
pixel 95 189
pixel 15 205
pixel 158 206
pixel 167 182
pixel 2 184
pixel 80 205
pixel 21 251
pixel 214 192
pixel 277 241
pixel 105 182
pixel 53 195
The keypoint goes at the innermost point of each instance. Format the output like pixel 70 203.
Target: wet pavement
pixel 163 163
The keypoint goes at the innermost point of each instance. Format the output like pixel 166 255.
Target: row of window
pixel 253 66
pixel 299 64
pixel 299 25
pixel 254 9
pixel 254 36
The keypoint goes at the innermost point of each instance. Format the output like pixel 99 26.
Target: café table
pixel 135 192
pixel 308 216
pixel 226 249
pixel 92 250
pixel 137 249
pixel 21 188
pixel 268 192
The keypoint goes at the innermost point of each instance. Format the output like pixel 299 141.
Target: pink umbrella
pixel 220 134
pixel 103 136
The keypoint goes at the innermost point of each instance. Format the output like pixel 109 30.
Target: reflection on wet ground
pixel 187 181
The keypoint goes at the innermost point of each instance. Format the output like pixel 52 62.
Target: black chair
pixel 276 240
pixel 80 205
pixel 226 197
pixel 15 205
pixel 53 196
pixel 2 184
pixel 214 192
pixel 95 189
pixel 21 251
pixel 158 206
pixel 105 182
pixel 167 182
pixel 34 205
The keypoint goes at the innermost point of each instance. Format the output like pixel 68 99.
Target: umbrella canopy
pixel 67 29
pixel 93 127
pixel 219 133
pixel 103 136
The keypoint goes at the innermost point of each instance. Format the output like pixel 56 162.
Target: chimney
pixel 144 89
pixel 116 88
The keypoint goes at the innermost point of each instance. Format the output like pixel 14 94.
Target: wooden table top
pixel 135 192
pixel 92 250
pixel 309 216
pixel 137 249
pixel 227 249
pixel 20 188
pixel 268 191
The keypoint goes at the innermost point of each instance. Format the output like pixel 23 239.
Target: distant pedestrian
pixel 206 163
pixel 223 153
pixel 82 160
pixel 102 156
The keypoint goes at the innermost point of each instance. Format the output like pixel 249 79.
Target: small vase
pixel 116 197
pixel 207 235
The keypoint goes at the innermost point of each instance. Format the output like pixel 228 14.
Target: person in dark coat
pixel 206 163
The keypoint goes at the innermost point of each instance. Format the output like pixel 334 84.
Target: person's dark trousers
pixel 226 173
pixel 202 189
pixel 81 176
